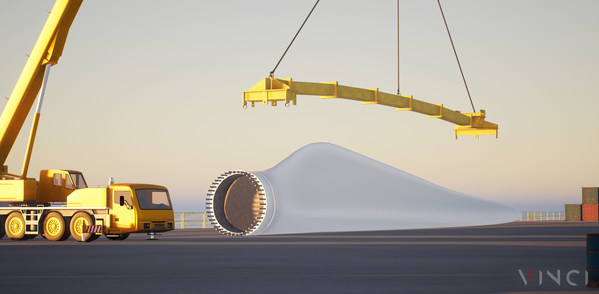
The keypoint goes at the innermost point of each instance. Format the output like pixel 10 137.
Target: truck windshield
pixel 78 180
pixel 153 199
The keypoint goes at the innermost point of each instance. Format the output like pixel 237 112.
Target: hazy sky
pixel 150 91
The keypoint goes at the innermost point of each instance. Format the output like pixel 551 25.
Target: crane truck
pixel 61 204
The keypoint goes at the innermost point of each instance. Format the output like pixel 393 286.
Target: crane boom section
pixel 47 50
pixel 286 90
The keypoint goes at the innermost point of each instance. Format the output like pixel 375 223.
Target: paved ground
pixel 457 260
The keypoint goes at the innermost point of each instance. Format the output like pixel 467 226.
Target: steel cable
pixel 398 91
pixel 456 55
pixel 272 72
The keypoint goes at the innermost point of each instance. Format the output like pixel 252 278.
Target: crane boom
pixel 286 90
pixel 46 52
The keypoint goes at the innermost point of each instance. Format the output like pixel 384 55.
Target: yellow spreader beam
pixel 286 90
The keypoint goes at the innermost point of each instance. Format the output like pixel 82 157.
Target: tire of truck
pixel 2 233
pixel 54 227
pixel 15 226
pixel 118 237
pixel 67 231
pixel 76 226
pixel 93 237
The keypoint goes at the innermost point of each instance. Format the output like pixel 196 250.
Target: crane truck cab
pixel 56 185
pixel 139 208
pixel 118 210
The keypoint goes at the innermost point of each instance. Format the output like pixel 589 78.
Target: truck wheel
pixel 93 237
pixel 15 226
pixel 77 222
pixel 67 231
pixel 118 236
pixel 54 227
pixel 29 236
pixel 2 226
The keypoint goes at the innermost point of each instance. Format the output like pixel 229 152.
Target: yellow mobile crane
pixel 38 207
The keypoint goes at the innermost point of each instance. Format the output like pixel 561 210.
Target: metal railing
pixel 192 219
pixel 535 216
pixel 200 220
